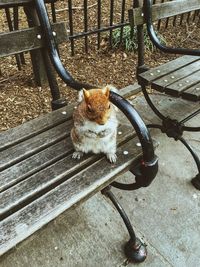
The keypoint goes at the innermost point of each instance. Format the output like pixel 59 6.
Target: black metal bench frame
pixel 147 165
pixel 170 126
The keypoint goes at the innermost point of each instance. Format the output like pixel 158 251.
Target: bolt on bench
pixel 38 177
pixel 178 78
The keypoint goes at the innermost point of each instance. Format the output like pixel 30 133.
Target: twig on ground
pixel 4 80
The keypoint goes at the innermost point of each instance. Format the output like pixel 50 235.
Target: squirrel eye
pixel 109 106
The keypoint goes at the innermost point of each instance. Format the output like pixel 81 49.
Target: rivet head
pixel 158 71
pixel 39 36
pixel 151 74
pixel 180 84
pixel 119 133
pixel 125 152
pixel 138 144
pixel 187 81
pixel 172 77
pixel 166 81
pixel 54 33
pixel 197 89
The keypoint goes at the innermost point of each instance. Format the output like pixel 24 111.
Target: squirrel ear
pixel 86 94
pixel 106 91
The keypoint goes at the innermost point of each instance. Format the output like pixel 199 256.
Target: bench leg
pixel 174 129
pixel 134 249
pixel 196 180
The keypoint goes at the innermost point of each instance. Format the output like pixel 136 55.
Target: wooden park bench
pixel 39 180
pixel 178 78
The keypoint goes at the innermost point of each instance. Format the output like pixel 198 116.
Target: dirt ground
pixel 22 100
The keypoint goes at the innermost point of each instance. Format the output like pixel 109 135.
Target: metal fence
pixel 104 18
pixel 113 21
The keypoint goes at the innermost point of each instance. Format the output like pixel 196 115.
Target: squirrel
pixel 95 124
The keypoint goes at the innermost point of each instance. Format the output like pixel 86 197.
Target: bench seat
pixel 39 179
pixel 179 78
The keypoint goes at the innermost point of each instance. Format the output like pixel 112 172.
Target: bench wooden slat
pixel 161 84
pixel 177 88
pixel 160 71
pixel 193 93
pixel 165 10
pixel 35 163
pixel 41 180
pixel 26 40
pixel 44 122
pixel 35 144
pixel 20 224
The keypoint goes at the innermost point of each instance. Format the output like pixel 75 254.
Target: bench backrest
pixel 19 41
pixel 16 41
pixel 164 10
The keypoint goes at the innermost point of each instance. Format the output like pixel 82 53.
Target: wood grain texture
pixel 34 145
pixel 158 72
pixel 49 176
pixel 36 126
pixel 20 41
pixel 32 217
pixel 178 77
pixel 192 93
pixel 177 88
pixel 165 10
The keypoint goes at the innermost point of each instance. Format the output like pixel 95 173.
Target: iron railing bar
pixel 194 15
pixel 86 24
pixel 181 19
pixel 188 17
pixel 103 29
pixel 174 21
pixel 71 25
pixel 122 19
pixel 159 22
pixel 111 20
pixel 53 12
pixel 99 23
pixel 10 26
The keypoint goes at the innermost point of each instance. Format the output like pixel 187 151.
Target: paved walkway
pixel 165 215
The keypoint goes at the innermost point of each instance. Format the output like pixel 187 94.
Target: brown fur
pixel 97 105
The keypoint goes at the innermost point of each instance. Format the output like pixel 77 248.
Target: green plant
pixel 128 41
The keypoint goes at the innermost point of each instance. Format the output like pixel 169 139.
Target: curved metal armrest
pixel 154 38
pixel 148 164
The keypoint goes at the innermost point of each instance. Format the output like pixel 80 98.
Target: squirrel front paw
pixel 112 157
pixel 90 134
pixel 77 155
pixel 104 133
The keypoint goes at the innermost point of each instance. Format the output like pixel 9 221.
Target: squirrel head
pixel 97 105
